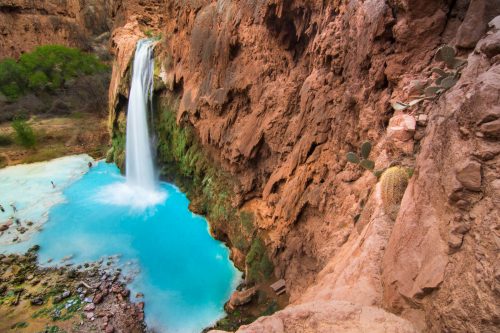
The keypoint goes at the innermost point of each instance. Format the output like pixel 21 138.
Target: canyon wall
pixel 25 24
pixel 277 92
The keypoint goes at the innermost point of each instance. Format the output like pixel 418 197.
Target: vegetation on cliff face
pixel 117 152
pixel 210 189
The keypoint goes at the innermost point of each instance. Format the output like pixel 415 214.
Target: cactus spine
pixel 393 185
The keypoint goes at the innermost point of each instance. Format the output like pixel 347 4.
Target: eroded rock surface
pixel 279 91
pixel 25 24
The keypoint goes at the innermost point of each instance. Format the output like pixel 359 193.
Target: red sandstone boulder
pixel 241 297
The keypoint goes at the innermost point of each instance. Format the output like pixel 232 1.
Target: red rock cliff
pixel 25 24
pixel 279 91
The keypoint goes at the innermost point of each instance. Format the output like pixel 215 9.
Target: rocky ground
pixel 87 298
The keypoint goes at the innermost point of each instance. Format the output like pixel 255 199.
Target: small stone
pixel 464 131
pixel 34 248
pixel 109 329
pixel 7 261
pixel 89 315
pixel 461 229
pixel 401 127
pixel 72 274
pixel 491 129
pixel 66 294
pixel 462 204
pixel 455 241
pixel 37 301
pixel 479 134
pixel 422 119
pixel 67 258
pixel 469 175
pixel 98 298
pixel 495 23
pixel 116 289
pixel 125 293
pixel 89 307
pixel 419 134
pixel 139 295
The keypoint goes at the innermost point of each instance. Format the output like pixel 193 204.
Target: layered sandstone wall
pixel 279 91
pixel 25 24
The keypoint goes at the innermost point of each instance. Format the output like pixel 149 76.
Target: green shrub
pixel 24 133
pixel 12 79
pixel 48 67
pixel 38 80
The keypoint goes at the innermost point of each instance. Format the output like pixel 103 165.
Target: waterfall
pixel 139 159
pixel 140 189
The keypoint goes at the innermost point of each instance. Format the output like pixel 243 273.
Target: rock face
pixel 326 317
pixel 279 91
pixel 25 24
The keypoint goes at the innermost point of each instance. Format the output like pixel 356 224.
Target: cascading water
pixel 139 163
pixel 141 187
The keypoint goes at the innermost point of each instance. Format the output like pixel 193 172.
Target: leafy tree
pixel 48 67
pixel 12 79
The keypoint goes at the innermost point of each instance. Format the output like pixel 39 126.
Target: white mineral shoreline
pixel 28 187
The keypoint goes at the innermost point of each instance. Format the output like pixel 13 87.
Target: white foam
pixel 136 197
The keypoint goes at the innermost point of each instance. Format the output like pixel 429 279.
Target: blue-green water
pixel 186 276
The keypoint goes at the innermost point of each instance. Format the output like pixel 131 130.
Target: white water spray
pixel 140 189
pixel 139 163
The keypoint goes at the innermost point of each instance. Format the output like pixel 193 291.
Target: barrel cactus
pixel 393 185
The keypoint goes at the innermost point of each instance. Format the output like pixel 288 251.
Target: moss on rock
pixel 209 188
